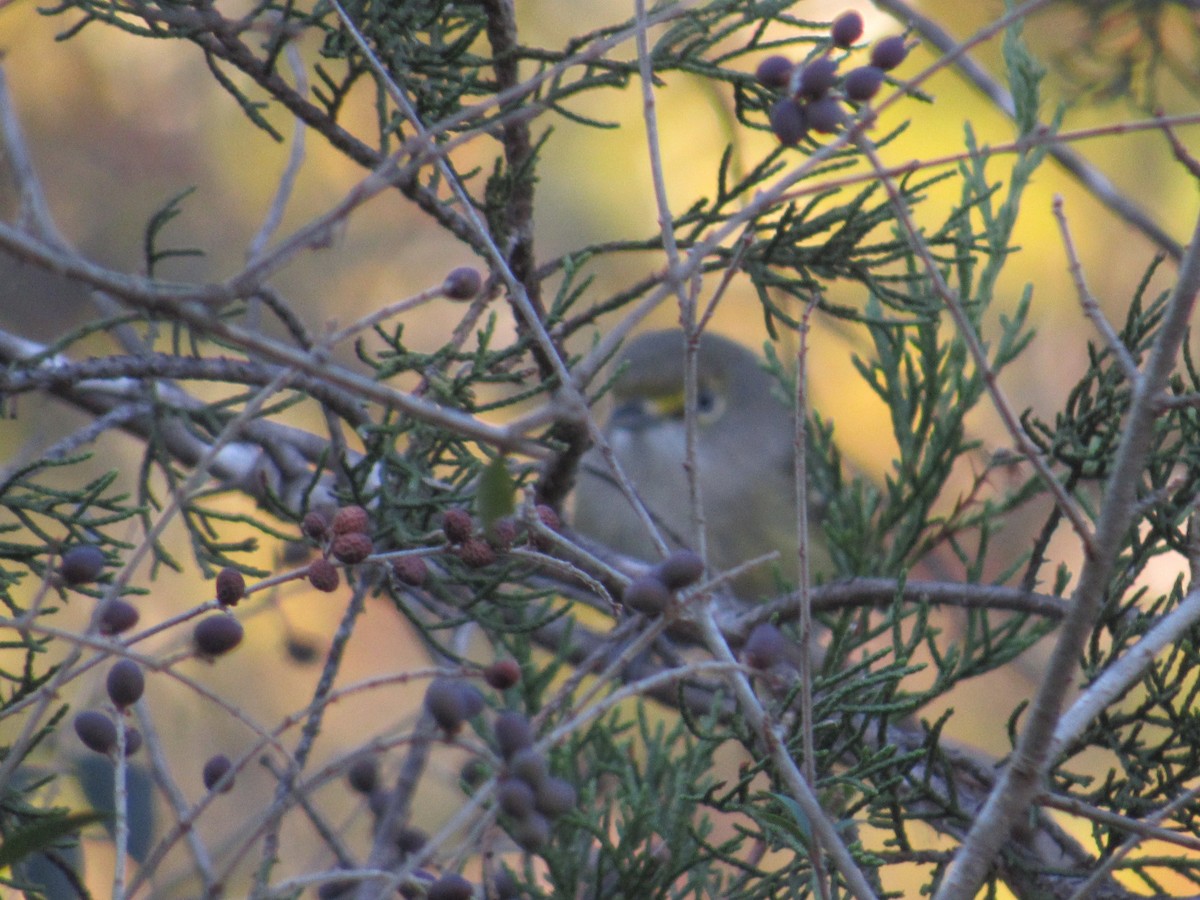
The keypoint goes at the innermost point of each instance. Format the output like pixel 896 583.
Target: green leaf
pixel 42 834
pixel 799 826
pixel 495 497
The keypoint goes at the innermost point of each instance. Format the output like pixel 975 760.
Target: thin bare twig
pixel 1184 157
pixel 168 784
pixel 287 181
pixel 308 734
pixel 804 575
pixel 1090 307
pixel 808 638
pixel 686 303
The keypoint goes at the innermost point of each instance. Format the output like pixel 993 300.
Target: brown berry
pixel 217 634
pixel 81 565
pixel 647 594
pixel 457 525
pixel 550 519
pixel 116 616
pixel 96 730
pixel 352 547
pixel 889 53
pixel 215 769
pixel 125 683
pixel 846 29
pixel 863 83
pixel 502 674
pixel 323 575
pixel 788 121
pixel 315 526
pixel 513 732
pixel 349 519
pixel 774 72
pixel 462 283
pixel 410 570
pixel 231 587
pixel 680 569
pixel 477 553
pixel 503 533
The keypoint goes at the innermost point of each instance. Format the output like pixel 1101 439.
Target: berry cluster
pixel 213 636
pixel 651 593
pixel 363 778
pixel 528 795
pixel 346 537
pixel 812 99
pixel 97 730
pixel 477 546
pixel 84 564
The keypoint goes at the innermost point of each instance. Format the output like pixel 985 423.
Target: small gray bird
pixel 745 450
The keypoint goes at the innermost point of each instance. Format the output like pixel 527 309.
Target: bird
pixel 745 451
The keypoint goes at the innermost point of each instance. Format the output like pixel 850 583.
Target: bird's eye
pixel 706 400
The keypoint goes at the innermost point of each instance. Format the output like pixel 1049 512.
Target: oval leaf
pixel 495 496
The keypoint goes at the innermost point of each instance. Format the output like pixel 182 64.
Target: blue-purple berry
pixel 846 29
pixel 889 53
pixel 774 72
pixel 788 121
